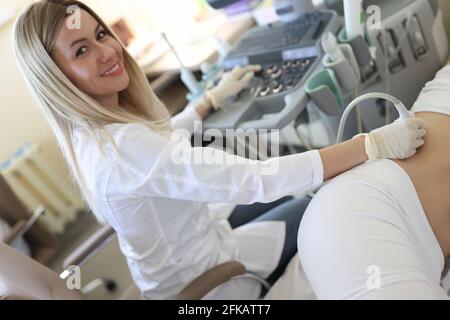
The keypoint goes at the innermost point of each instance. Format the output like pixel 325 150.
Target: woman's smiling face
pixel 92 59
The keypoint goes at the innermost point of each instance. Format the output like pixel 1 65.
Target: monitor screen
pixel 230 4
pixel 220 4
pixel 233 7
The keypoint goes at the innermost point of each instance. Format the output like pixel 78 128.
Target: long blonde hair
pixel 64 105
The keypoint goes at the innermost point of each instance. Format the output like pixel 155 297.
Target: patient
pixel 382 230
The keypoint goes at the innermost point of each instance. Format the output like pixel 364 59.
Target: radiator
pixel 35 183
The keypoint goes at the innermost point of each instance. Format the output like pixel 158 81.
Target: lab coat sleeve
pixel 186 119
pixel 171 168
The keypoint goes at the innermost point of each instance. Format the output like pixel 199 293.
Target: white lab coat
pixel 168 228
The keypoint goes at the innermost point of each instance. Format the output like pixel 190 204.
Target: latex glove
pixel 398 140
pixel 231 84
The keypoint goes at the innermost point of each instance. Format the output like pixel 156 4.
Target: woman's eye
pixel 101 35
pixel 81 51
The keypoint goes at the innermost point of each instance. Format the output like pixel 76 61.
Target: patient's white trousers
pixel 365 235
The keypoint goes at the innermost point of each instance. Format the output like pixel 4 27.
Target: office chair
pixel 24 278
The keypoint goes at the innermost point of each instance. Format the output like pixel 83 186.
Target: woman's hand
pixel 231 84
pixel 398 140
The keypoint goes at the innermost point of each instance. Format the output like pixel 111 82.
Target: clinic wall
pixel 148 18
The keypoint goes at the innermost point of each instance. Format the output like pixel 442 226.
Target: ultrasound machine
pixel 398 59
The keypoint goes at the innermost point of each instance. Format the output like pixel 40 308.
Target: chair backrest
pixel 23 278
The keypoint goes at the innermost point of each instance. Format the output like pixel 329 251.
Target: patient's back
pixel 429 171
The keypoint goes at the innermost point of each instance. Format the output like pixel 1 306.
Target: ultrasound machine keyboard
pixel 285 51
pixel 278 77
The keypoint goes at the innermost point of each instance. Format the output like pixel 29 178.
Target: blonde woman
pixel 116 137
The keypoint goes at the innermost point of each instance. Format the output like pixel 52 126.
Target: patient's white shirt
pixel 435 95
pixel 168 228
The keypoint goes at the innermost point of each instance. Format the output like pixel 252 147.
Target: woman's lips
pixel 114 71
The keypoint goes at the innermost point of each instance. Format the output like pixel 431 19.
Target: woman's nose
pixel 106 53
